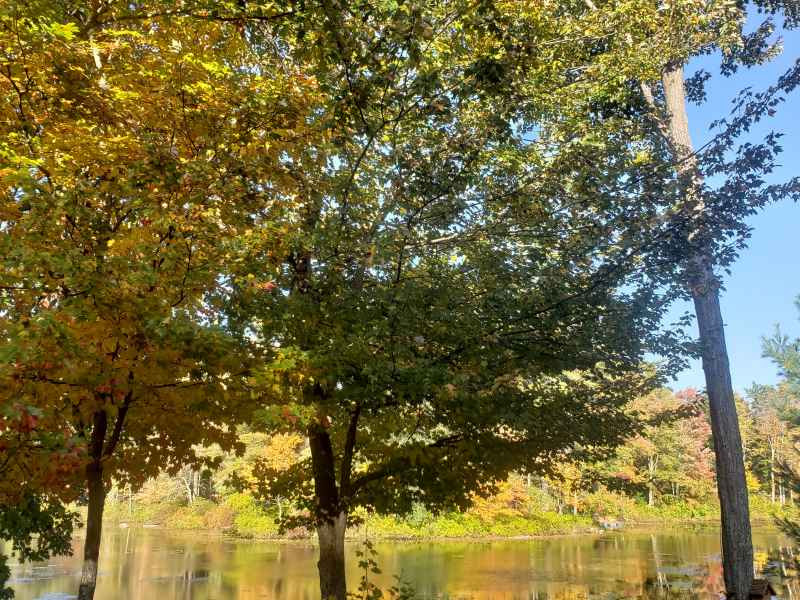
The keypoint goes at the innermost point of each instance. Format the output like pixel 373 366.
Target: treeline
pixel 663 473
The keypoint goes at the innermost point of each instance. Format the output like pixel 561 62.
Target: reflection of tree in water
pixel 161 565
pixel 781 566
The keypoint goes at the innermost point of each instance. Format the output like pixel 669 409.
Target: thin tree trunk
pixel 737 545
pixel 652 467
pixel 772 474
pixel 94 517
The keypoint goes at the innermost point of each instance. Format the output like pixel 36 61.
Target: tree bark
pixel 94 517
pixel 737 545
pixel 652 466
pixel 772 474
pixel 332 578
pixel 331 517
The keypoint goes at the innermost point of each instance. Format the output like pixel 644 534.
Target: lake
pixel 166 565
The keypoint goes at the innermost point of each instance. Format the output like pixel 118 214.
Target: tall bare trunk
pixel 772 474
pixel 94 517
pixel 652 466
pixel 737 545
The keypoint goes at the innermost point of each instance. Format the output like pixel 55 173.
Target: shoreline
pixel 358 537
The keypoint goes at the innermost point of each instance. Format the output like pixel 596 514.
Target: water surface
pixel 162 565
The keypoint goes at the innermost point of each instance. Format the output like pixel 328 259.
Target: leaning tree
pixel 708 219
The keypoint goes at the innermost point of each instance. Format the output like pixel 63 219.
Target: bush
pixel 219 517
pixel 457 525
pixel 605 503
pixel 251 519
pixel 185 517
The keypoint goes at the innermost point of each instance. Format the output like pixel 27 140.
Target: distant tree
pixel 785 353
pixel 774 409
pixel 784 401
pixel 670 454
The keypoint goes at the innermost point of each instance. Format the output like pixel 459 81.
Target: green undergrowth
pixel 459 525
pixel 242 515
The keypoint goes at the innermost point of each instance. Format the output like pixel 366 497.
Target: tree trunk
pixel 332 578
pixel 737 545
pixel 94 517
pixel 652 468
pixel 772 474
pixel 331 516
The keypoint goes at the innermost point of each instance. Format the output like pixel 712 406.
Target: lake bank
pixel 244 518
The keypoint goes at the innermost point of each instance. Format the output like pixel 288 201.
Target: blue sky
pixel 765 281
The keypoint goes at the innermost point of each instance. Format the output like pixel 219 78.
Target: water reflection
pixel 158 565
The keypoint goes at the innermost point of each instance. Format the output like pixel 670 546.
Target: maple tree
pixel 458 301
pixel 122 168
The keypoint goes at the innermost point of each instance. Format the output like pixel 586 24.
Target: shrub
pixel 251 519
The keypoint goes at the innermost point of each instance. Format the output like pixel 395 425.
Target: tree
pixel 122 161
pixel 457 300
pixel 709 224
pixel 782 399
pixel 773 411
pixel 669 455
pixel 785 353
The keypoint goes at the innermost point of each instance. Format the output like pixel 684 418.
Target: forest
pixel 662 474
pixel 388 266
